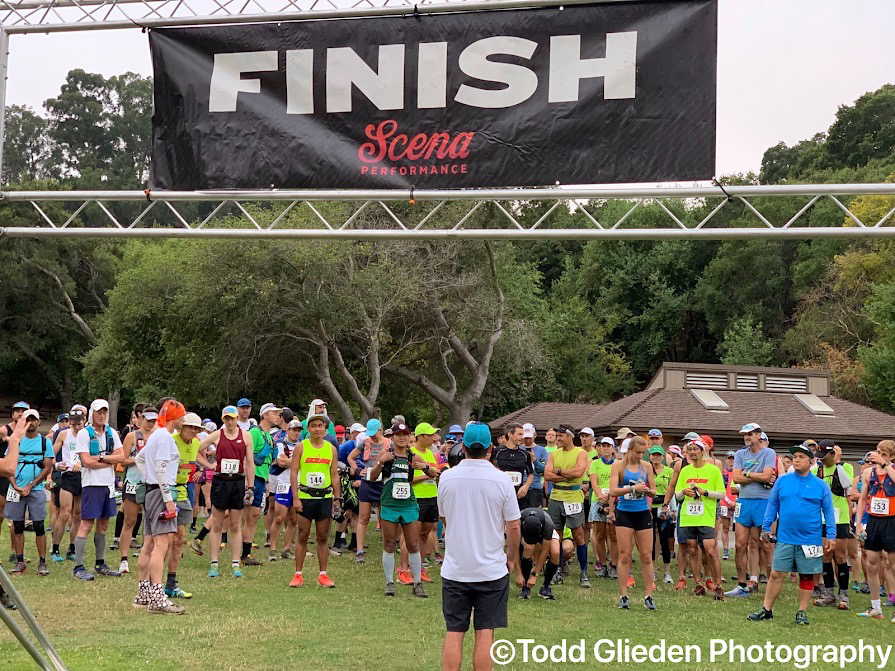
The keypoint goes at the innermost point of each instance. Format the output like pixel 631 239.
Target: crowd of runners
pixel 181 481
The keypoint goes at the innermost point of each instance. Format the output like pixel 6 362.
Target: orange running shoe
pixel 325 581
pixel 425 577
pixel 405 578
pixel 297 580
pixel 681 584
pixel 631 582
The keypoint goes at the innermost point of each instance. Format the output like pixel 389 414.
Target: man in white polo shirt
pixel 478 505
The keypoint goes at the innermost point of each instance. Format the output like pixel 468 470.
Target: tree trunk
pixel 114 400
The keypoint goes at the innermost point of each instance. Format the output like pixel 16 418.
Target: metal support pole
pixel 4 65
pixel 56 663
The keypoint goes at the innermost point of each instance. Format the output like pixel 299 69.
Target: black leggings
pixel 665 530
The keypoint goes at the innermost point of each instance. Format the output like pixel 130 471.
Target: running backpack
pixel 94 441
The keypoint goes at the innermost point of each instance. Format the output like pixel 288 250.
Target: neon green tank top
pixel 315 466
pixel 427 489
pixel 565 491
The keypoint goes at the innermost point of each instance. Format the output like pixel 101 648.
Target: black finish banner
pixel 585 94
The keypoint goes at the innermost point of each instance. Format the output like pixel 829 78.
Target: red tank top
pixel 229 449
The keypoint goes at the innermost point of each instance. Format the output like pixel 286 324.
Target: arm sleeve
pixel 829 514
pixel 770 513
pixel 161 474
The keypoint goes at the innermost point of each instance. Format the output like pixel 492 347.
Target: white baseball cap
pixel 528 430
pixel 587 431
pixel 626 443
pixel 192 419
pixel 357 426
pixel 607 439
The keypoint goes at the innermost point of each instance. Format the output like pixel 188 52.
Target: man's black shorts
pixel 228 494
pixel 316 509
pixel 485 601
pixel 880 534
pixel 71 482
pixel 428 510
pixel 844 531
pixel 536 498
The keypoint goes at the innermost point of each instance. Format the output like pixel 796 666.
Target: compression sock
pixel 842 575
pixel 99 543
pixel 137 525
pixel 172 581
pixel 203 532
pixel 526 565
pixel 549 571
pixel 828 575
pixel 388 566
pixel 416 566
pixel 80 546
pixel 246 549
pixel 224 537
pixel 55 548
pixel 119 524
pixel 581 550
pixel 20 558
pixel 71 548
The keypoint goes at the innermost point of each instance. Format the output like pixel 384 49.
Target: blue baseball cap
pixel 62 416
pixel 477 434
pixel 243 403
pixel 655 433
pixel 373 427
pixel 22 405
pixel 456 428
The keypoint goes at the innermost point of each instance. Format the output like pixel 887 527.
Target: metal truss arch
pixel 441 215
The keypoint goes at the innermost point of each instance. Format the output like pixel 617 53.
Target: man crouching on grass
pixel 158 461
pixel 797 499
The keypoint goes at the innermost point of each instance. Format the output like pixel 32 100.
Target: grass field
pixel 258 623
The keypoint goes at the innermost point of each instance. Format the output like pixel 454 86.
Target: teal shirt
pixel 32 452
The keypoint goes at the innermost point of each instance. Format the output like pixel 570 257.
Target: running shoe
pixel 802 617
pixel 763 580
pixel 752 586
pixel 726 555
pixel 613 572
pixel 266 540
pixel 70 556
pixel 856 586
pixel 699 590
pixel 872 613
pixel 177 593
pixel 56 557
pixel 557 579
pixel 427 562
pixel 390 589
pixel 648 603
pixel 6 601
pixel 81 573
pixel 598 568
pixel 213 571
pixel 603 572
pixel 405 578
pixel 297 580
pixel 419 591
pixel 237 571
pixel 631 582
pixel 271 556
pixel 865 588
pixel 668 580
pixel 623 603
pixel 546 593
pixel 196 546
pixel 135 544
pixel 123 567
pixel 359 558
pixel 738 592
pixel 882 591
pixel 584 581
pixel 106 570
pixel 325 581
pixel 425 576
pixel 842 601
pixel 167 609
pixel 438 558
pixel 826 598
pixel 719 594
pixel 42 568
pixel 115 544
pixel 287 554
pixel 335 552
pixel 525 593
pixel 12 557
pixel 681 584
pixel 250 561
pixel 19 568
pixel 763 614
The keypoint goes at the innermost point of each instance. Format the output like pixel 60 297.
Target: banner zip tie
pixel 721 186
pixel 412 199
pixel 148 194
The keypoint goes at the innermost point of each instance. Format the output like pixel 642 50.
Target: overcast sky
pixel 784 67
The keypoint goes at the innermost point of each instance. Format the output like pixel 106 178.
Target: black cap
pixel 532 527
pixel 824 447
pixel 804 449
pixel 567 428
pixel 287 415
pixel 400 428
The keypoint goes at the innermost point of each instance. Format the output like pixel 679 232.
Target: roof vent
pixel 814 404
pixel 747 382
pixel 707 380
pixel 788 383
pixel 710 400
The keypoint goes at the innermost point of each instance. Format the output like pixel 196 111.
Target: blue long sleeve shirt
pixel 798 501
pixel 540 463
